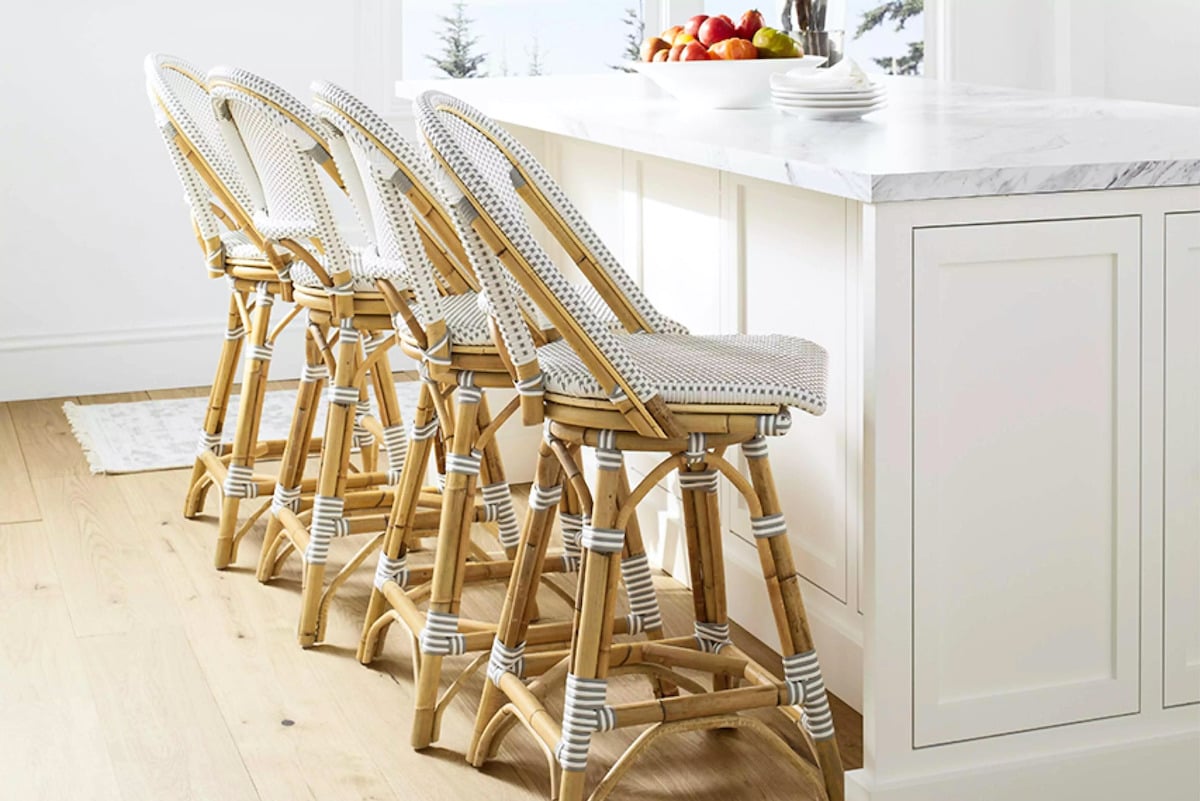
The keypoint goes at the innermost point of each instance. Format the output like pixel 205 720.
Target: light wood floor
pixel 130 669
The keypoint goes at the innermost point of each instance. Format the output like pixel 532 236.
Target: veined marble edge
pixel 866 187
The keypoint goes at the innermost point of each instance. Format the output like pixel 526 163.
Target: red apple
pixel 749 24
pixel 693 51
pixel 716 29
pixel 676 52
pixel 692 26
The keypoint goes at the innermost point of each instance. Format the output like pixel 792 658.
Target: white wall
pixel 1142 50
pixel 104 286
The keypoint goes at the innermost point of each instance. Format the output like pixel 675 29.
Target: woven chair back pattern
pixel 183 108
pixel 488 181
pixel 284 143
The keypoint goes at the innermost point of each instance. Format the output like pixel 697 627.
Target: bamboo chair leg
pixel 218 405
pixel 328 520
pixel 295 456
pixel 392 558
pixel 239 481
pixel 364 440
pixel 593 630
pixel 440 636
pixel 702 526
pixel 497 495
pixel 783 585
pixel 519 601
pixel 644 612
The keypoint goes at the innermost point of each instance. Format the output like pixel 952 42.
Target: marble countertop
pixel 933 140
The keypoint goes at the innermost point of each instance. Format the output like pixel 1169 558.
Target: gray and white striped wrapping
pixel 262 294
pixel 424 432
pixel 542 498
pixel 644 612
pixel 208 442
pixel 498 504
pixel 806 686
pixel 395 440
pixel 755 448
pixel 239 482
pixel 572 529
pixel 602 540
pixel 432 355
pixel 774 425
pixel 387 569
pixel 440 636
pixel 260 353
pixel 343 396
pixel 235 333
pixel 768 526
pixel 467 392
pixel 584 712
pixel 361 437
pixel 371 342
pixel 698 481
pixel 697 448
pixel 285 498
pixel 712 637
pixel 464 464
pixel 328 521
pixel 505 660
pixel 314 372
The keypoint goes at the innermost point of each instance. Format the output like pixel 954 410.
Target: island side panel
pixel 1048 631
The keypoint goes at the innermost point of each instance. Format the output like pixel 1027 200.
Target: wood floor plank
pixel 51 738
pixel 110 581
pixel 165 736
pixel 47 444
pixel 26 564
pixel 175 394
pixel 276 700
pixel 17 502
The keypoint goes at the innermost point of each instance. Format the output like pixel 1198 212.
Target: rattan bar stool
pixel 348 299
pixel 689 398
pixel 450 332
pixel 258 273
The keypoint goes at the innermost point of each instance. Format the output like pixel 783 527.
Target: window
pixel 518 37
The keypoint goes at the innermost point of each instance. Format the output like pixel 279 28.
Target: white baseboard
pixel 124 360
pixel 1156 769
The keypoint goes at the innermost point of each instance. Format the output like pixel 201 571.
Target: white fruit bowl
pixel 742 83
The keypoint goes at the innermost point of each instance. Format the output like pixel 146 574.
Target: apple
pixel 661 55
pixel 749 24
pixel 716 29
pixel 692 26
pixel 651 46
pixel 683 37
pixel 694 51
pixel 733 50
pixel 676 52
pixel 670 33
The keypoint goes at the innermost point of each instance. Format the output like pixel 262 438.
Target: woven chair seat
pixel 467 316
pixel 238 246
pixel 733 369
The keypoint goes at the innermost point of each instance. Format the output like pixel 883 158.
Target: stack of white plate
pixel 842 92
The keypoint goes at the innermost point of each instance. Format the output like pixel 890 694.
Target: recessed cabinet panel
pixel 1181 573
pixel 795 276
pixel 678 218
pixel 1026 349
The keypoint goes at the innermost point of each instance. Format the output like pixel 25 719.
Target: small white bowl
pixel 739 83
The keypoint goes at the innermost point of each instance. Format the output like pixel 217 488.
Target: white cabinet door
pixel 1181 573
pixel 1026 408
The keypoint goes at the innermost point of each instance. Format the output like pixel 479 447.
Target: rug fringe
pixel 73 412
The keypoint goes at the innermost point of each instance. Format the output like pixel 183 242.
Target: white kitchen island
pixel 999 516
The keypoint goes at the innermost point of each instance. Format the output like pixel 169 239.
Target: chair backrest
pixel 212 184
pixel 407 211
pixel 278 139
pixel 497 177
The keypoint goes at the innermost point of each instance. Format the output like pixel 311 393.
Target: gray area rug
pixel 162 434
